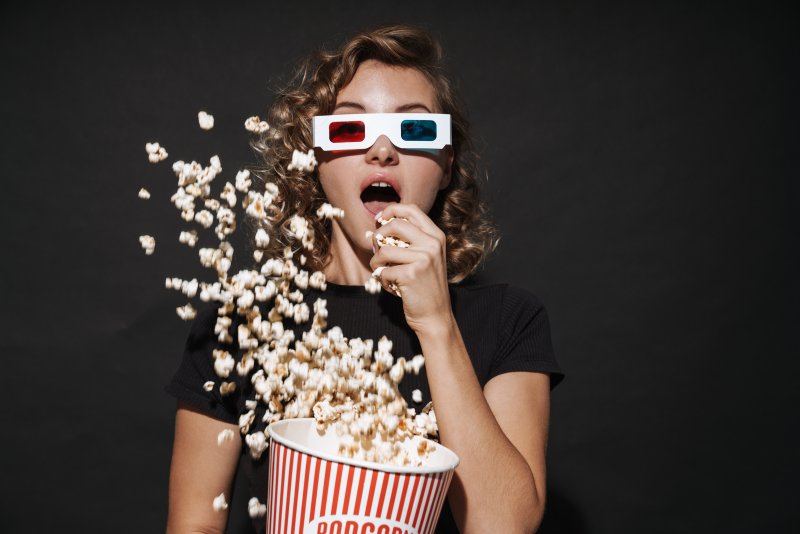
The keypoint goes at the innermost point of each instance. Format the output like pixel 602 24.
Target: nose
pixel 383 152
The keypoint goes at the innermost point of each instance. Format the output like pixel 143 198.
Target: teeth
pixel 380 184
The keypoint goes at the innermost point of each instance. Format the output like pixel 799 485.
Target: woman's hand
pixel 419 272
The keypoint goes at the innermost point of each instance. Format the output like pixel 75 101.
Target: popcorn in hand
pixel 389 241
pixel 155 152
pixel 256 125
pixel 206 120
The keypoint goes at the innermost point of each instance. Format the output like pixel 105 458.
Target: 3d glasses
pixel 361 130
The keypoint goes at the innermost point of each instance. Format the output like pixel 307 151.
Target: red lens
pixel 346 132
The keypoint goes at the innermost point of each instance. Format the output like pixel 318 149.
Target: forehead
pixel 381 88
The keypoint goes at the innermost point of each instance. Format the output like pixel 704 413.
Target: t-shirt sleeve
pixel 197 368
pixel 524 337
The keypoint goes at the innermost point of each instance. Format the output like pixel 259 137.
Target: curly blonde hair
pixel 458 210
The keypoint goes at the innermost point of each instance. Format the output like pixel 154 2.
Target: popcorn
pixel 262 238
pixel 372 285
pixel 225 436
pixel 348 385
pixel 245 420
pixel 155 152
pixel 187 313
pixel 229 194
pixel 416 396
pixel 255 508
pixel 258 443
pixel 206 120
pixel 148 243
pixel 219 503
pixel 227 388
pixel 144 193
pixel 223 363
pixel 188 238
pixel 243 181
pixel 304 162
pixel 299 226
pixel 205 218
pixel 256 125
pixel 390 241
pixel 327 211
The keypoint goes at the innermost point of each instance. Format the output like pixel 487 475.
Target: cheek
pixel 428 178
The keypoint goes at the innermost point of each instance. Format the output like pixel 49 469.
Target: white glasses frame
pixel 377 124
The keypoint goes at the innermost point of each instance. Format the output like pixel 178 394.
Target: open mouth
pixel 377 196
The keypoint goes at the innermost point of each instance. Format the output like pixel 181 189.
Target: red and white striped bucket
pixel 312 490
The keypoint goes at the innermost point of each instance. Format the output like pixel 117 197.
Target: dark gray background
pixel 638 156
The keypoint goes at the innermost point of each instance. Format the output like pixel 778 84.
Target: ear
pixel 448 167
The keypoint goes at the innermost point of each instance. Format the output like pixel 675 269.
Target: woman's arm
pixel 499 434
pixel 200 471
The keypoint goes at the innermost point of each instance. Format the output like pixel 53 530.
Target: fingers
pixel 394 267
pixel 397 256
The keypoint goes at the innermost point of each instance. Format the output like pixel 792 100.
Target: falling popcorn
pixel 372 285
pixel 243 181
pixel 350 386
pixel 256 125
pixel 187 313
pixel 225 436
pixel 155 152
pixel 329 212
pixel 188 238
pixel 220 503
pixel 148 243
pixel 206 120
pixel 305 162
pixel 255 508
pixel 144 193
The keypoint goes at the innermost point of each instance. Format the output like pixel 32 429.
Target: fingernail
pixel 368 235
pixel 378 216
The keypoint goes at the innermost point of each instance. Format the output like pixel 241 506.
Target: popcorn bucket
pixel 313 490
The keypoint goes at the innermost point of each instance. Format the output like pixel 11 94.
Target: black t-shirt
pixel 504 329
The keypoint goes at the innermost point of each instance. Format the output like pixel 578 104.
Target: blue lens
pixel 418 130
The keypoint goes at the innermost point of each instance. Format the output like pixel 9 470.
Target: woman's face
pixel 414 176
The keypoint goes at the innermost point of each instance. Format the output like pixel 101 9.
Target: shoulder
pixel 495 297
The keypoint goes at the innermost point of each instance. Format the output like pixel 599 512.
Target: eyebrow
pixel 400 109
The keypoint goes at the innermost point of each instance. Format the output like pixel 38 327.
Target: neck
pixel 349 264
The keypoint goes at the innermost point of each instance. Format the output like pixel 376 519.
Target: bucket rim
pixel 410 470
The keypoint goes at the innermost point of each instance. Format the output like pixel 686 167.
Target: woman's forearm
pixel 494 489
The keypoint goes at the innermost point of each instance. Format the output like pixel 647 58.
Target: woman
pixel 489 366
